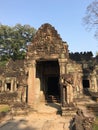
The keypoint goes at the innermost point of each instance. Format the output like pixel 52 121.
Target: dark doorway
pixel 53 86
pixel 8 86
pixel 48 72
pixel 86 84
pixel 53 90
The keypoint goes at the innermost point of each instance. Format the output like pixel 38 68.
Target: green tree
pixel 91 17
pixel 13 40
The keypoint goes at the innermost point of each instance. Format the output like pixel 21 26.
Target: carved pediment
pixel 47 41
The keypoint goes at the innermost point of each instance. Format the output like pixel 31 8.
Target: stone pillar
pixel 90 81
pixel 95 82
pixel 63 97
pixel 2 87
pixel 68 94
pixel 12 85
pixel 31 83
pixel 15 85
pixel 79 85
pixel 62 64
pixel 37 91
pixel 71 93
pixel 24 94
pixel 5 86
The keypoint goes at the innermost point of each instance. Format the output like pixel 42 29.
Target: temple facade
pixel 47 72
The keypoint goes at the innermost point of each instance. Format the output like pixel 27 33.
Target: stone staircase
pixel 93 108
pixel 53 99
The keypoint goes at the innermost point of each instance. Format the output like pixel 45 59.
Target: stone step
pixel 93 108
pixel 51 98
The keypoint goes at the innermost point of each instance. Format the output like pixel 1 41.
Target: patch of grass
pixel 95 125
pixel 3 63
pixel 4 108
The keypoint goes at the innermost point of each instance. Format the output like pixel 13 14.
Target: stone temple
pixel 49 69
pixel 47 73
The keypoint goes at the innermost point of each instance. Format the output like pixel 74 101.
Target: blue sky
pixel 65 15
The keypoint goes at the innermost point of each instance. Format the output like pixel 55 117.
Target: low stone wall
pixel 8 97
pixel 2 115
pixel 19 109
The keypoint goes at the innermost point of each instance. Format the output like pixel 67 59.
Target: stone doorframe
pixel 33 82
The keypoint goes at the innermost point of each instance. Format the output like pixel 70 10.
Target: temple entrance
pixel 53 86
pixel 53 90
pixel 86 84
pixel 48 74
pixel 8 86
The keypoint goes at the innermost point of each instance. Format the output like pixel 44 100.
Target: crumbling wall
pixel 76 71
pixel 80 122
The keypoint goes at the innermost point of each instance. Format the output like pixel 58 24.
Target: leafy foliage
pixel 13 40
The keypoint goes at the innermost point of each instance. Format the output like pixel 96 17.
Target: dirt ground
pixel 46 118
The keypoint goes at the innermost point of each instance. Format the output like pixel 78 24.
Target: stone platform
pixel 68 111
